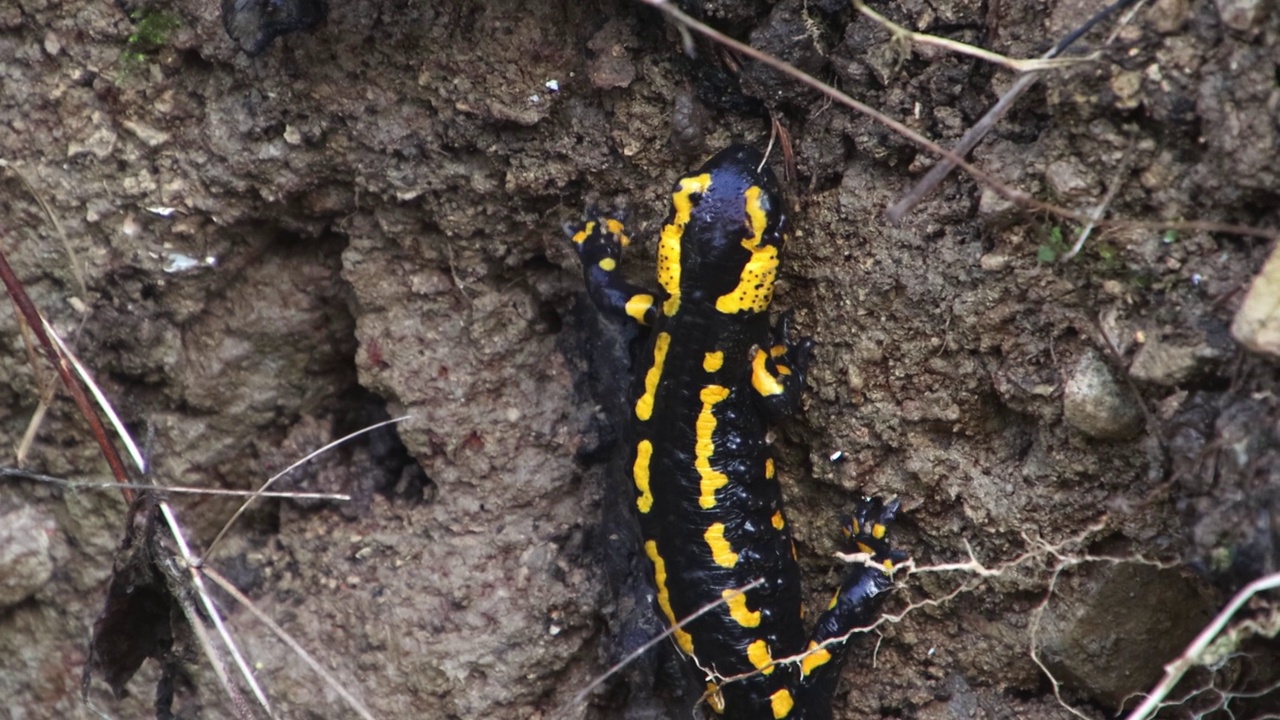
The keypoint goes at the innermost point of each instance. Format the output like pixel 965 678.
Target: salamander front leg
pixel 599 243
pixel 778 372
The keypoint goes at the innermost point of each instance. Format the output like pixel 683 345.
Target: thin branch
pixel 307 458
pixel 980 129
pixel 23 474
pixel 618 666
pixel 351 700
pixel 107 409
pixel 210 609
pixel 1011 194
pixel 1019 65
pixel 32 316
pixel 1190 657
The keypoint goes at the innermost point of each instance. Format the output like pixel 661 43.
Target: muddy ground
pixel 257 255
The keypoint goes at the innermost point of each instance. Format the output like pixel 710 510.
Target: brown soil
pixel 383 199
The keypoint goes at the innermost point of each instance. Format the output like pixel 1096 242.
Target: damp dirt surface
pixel 256 255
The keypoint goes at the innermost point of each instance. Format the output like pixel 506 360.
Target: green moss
pixel 1053 247
pixel 152 29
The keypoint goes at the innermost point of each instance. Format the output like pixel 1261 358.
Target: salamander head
pixel 727 227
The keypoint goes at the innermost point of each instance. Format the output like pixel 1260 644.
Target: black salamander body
pixel 713 374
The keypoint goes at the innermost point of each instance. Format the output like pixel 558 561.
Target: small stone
pixel 1240 14
pixel 1109 627
pixel 1127 86
pixel 1096 405
pixel 147 134
pixel 1169 364
pixel 1068 178
pixel 994 261
pixel 1257 322
pixel 611 67
pixel 52 45
pixel 25 564
pixel 1167 16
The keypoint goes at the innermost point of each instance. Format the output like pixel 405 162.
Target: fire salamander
pixel 711 377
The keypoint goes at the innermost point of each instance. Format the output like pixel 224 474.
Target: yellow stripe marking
pixel 778 521
pixel 638 305
pixel 834 597
pixel 768 469
pixel 582 235
pixel 683 639
pixel 669 242
pixel 713 361
pixel 640 473
pixel 814 660
pixel 615 227
pixel 608 264
pixel 761 380
pixel 704 448
pixel 781 704
pixel 759 655
pixel 715 698
pixel 644 406
pixel 755 284
pixel 737 602
pixel 721 551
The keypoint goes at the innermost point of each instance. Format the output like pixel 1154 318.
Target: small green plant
pixel 151 32
pixel 1053 247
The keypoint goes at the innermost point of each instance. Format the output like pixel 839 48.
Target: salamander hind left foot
pixel 866 530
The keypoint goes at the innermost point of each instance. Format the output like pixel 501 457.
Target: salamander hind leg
pixel 778 371
pixel 854 605
pixel 599 243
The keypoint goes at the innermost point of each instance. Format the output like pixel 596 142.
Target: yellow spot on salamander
pixel 737 602
pixel 778 521
pixel 608 264
pixel 768 469
pixel 582 235
pixel 835 597
pixel 755 283
pixel 781 704
pixel 713 361
pixel 815 659
pixel 759 655
pixel 615 227
pixel 638 306
pixel 644 406
pixel 865 548
pixel 683 639
pixel 761 380
pixel 644 451
pixel 715 698
pixel 721 551
pixel 878 531
pixel 669 242
pixel 777 351
pixel 704 448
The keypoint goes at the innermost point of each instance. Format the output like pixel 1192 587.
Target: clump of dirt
pixel 252 254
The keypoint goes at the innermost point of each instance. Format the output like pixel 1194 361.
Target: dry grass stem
pixel 293 644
